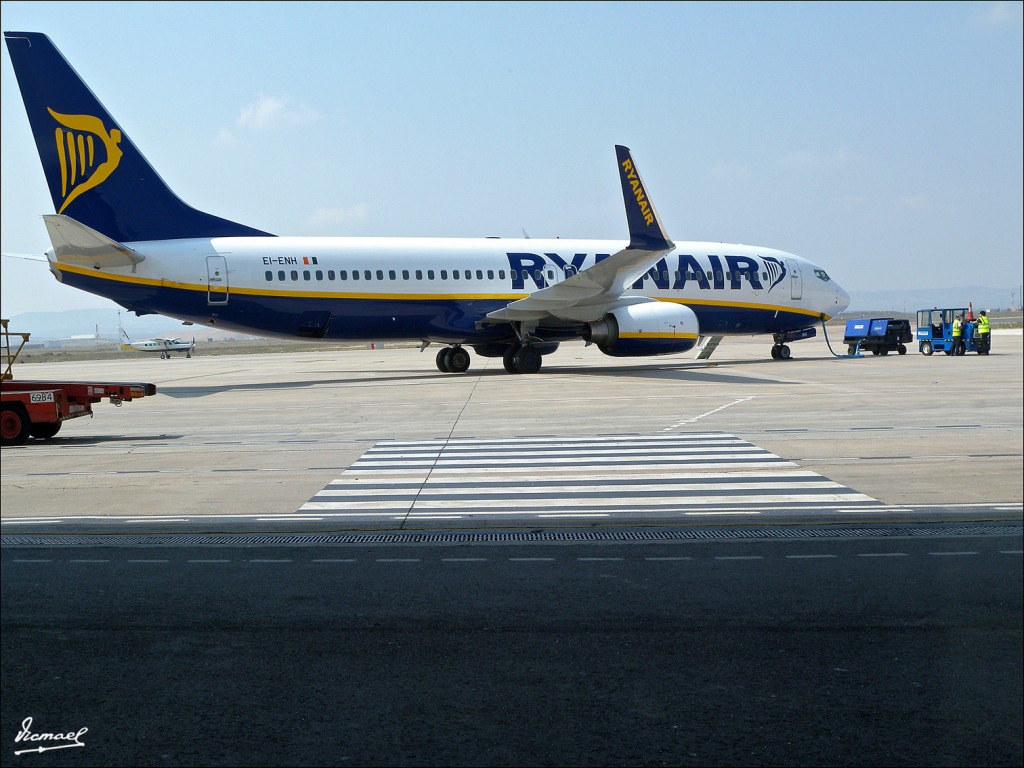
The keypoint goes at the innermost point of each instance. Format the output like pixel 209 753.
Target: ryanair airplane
pixel 121 233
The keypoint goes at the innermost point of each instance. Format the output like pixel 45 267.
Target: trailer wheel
pixel 926 348
pixel 902 349
pixel 45 430
pixel 14 424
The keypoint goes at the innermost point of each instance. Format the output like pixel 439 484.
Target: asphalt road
pixel 848 650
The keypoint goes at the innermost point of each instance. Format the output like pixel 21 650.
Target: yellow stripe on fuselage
pixel 742 305
pixel 234 291
pixel 202 288
pixel 643 335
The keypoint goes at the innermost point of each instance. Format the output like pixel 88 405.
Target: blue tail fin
pixel 95 174
pixel 645 229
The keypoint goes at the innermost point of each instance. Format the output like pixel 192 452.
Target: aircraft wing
pixel 590 294
pixel 74 243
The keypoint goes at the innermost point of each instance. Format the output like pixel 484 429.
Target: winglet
pixel 645 229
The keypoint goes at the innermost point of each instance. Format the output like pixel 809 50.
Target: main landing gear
pixel 522 358
pixel 517 358
pixel 452 360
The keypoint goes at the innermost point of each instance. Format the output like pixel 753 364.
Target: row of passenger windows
pixel 368 274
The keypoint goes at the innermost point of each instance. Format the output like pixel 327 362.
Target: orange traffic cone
pixel 970 311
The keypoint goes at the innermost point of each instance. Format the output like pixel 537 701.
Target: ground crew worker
pixel 958 335
pixel 983 333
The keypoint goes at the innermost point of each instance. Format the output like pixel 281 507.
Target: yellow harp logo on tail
pixel 83 164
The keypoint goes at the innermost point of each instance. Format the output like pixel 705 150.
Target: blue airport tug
pixel 880 336
pixel 935 331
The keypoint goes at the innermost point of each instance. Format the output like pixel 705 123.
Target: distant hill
pixel 53 326
pixel 912 300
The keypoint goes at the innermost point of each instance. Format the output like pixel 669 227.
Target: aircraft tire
pixel 458 360
pixel 509 360
pixel 527 360
pixel 14 425
pixel 775 352
pixel 784 352
pixel 926 348
pixel 442 359
pixel 45 431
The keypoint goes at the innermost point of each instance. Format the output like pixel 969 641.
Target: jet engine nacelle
pixel 651 328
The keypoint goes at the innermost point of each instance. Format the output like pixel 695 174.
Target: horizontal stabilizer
pixel 78 245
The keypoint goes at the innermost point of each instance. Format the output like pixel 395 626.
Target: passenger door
pixel 217 280
pixel 795 280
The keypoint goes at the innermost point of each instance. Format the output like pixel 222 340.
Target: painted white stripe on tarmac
pixel 34 522
pixel 755 462
pixel 707 473
pixel 883 554
pixel 476 491
pixel 581 441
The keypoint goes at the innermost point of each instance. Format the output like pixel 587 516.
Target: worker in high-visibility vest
pixel 983 333
pixel 958 335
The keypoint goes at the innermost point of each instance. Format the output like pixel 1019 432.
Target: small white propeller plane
pixel 164 346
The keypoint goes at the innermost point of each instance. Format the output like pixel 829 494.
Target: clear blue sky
pixel 882 140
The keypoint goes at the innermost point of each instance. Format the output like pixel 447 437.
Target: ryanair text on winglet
pixel 638 191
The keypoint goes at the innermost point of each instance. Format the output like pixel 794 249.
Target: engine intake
pixel 640 330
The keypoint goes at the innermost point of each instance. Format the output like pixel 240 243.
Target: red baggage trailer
pixel 39 408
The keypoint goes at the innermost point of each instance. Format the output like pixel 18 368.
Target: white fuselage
pixel 441 289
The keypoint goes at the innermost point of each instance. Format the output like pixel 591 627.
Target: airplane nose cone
pixel 842 299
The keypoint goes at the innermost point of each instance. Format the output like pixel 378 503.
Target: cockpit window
pixel 822 275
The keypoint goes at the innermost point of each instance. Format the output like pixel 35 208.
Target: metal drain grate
pixel 518 537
